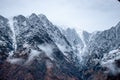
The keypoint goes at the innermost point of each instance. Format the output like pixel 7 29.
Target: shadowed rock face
pixel 5 36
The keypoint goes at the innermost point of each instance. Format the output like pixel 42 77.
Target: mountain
pixel 32 48
pixel 103 42
pixel 95 46
pixel 41 49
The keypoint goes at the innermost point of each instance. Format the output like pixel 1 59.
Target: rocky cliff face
pixel 5 36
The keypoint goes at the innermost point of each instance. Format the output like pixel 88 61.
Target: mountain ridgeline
pixel 32 48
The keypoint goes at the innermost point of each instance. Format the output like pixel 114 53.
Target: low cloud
pixel 15 60
pixel 47 49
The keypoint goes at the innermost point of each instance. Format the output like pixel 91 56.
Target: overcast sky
pixel 90 15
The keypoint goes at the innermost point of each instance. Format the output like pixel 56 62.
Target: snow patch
pixel 11 22
pixel 2 43
pixel 80 33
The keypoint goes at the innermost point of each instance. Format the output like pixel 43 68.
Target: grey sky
pixel 90 15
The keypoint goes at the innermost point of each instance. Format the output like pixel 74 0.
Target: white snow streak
pixel 14 36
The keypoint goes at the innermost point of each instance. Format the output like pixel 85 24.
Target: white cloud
pixel 33 54
pixel 15 60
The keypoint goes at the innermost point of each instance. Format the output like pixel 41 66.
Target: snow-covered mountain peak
pixel 118 25
pixel 84 36
pixel 73 37
pixel 33 16
pixel 3 20
pixel 19 18
pixel 39 18
pixel 42 16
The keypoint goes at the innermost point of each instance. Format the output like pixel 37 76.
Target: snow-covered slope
pixel 40 35
pixel 75 41
pixel 73 38
pixel 110 59
pixel 101 43
pixel 46 52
